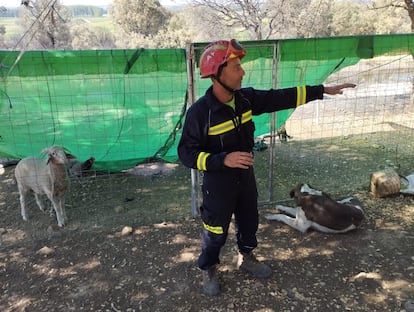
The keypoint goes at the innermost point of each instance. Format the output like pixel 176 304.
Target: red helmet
pixel 217 53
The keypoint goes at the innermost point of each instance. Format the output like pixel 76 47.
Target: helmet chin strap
pixel 217 77
pixel 231 90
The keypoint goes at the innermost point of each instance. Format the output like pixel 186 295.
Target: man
pixel 218 138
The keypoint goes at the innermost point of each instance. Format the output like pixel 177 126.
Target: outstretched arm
pixel 338 89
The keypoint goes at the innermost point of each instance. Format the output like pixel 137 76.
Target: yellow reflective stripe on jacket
pixel 300 95
pixel 202 161
pixel 229 124
pixel 247 116
pixel 213 229
pixel 221 128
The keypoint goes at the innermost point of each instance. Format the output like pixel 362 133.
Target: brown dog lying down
pixel 318 211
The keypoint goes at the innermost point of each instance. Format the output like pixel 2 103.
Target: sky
pixel 16 3
pixel 106 2
pixel 85 2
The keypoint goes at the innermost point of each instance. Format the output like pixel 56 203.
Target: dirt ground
pixel 131 243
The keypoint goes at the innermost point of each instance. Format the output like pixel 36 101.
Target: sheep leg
pixel 57 205
pixel 62 204
pixel 23 212
pixel 39 202
pixel 51 211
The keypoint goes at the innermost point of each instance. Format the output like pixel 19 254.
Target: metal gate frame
pixel 196 175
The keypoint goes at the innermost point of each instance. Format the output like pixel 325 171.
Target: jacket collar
pixel 213 103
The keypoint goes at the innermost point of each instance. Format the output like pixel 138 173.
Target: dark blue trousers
pixel 227 193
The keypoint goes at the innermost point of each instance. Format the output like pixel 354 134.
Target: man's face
pixel 232 74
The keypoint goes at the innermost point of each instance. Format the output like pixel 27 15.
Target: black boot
pixel 249 263
pixel 211 285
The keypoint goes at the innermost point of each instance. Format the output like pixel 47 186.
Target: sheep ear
pixel 70 156
pixel 45 151
pixel 66 150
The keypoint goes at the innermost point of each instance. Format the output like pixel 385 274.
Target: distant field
pixel 13 29
pixel 11 25
pixel 104 22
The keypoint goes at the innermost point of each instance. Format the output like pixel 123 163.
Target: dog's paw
pixel 346 200
pixel 351 201
pixel 272 216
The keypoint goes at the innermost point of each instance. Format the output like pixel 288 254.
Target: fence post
pixel 195 177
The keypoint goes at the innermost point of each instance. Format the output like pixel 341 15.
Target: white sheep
pixel 44 176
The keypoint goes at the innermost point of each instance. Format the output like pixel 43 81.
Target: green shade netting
pixel 126 107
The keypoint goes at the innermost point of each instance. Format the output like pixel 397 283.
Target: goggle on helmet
pixel 218 53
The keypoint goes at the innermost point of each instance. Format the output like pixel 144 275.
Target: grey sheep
pixel 77 168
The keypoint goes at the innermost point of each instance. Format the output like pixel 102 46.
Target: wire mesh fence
pixel 337 143
pixel 333 144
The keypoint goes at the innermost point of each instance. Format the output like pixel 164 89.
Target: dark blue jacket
pixel 213 129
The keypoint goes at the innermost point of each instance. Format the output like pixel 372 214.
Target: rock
pixel 46 251
pixel 127 230
pixel 385 183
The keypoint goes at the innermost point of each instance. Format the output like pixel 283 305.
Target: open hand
pixel 338 88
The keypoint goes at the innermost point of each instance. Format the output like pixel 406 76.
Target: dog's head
pixel 303 189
